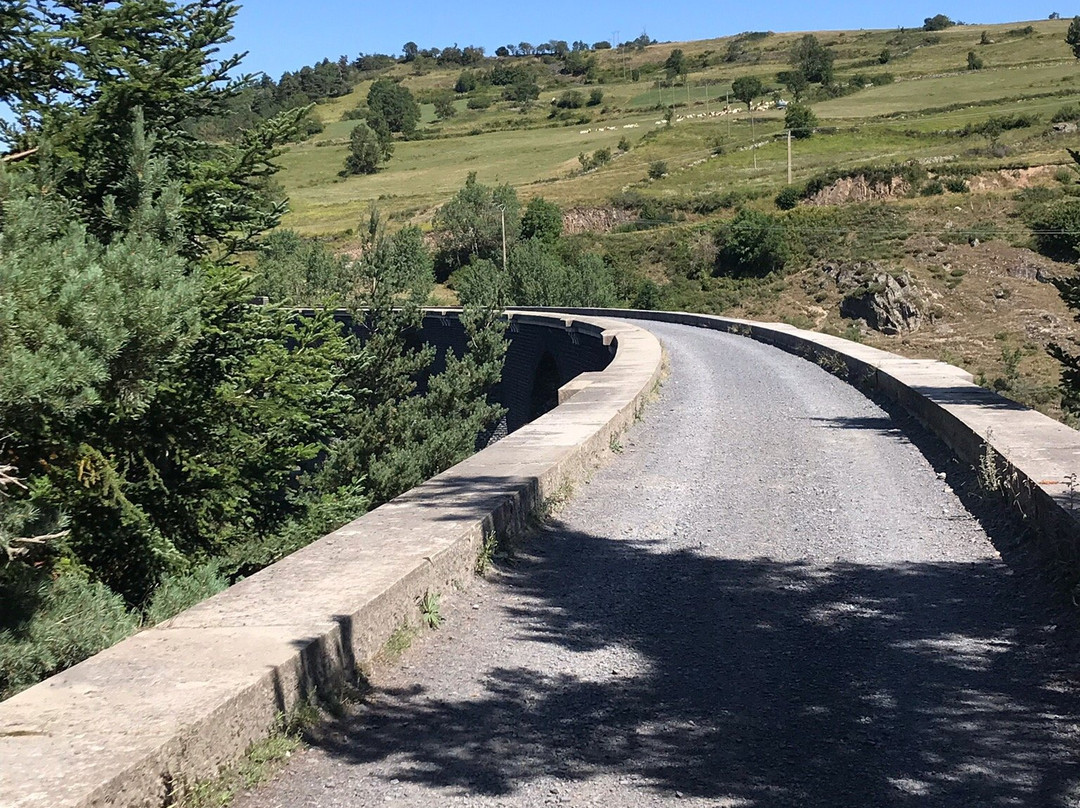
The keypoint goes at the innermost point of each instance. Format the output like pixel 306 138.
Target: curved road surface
pixel 770 597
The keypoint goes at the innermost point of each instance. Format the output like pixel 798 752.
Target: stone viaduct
pixel 134 725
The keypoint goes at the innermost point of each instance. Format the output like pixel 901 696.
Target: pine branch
pixel 11 158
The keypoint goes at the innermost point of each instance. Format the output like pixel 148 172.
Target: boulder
pixel 888 302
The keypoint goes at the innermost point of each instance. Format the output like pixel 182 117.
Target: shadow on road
pixel 762 682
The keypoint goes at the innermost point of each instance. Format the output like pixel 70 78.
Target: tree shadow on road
pixel 761 682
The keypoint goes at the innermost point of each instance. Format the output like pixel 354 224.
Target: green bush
pixel 537 275
pixel 298 271
pixel 466 82
pixel 1068 112
pixel 323 514
pixel 570 99
pixel 753 243
pixel 801 120
pixel 179 591
pixel 845 233
pixel 1056 230
pixel 788 197
pixel 444 107
pixel 939 22
pixel 996 124
pixel 73 619
pixel 932 188
pixel 366 150
pixel 310 126
pixel 648 296
pixel 1037 194
pixel 657 169
pixel 542 220
pixel 956 185
pixel 600 157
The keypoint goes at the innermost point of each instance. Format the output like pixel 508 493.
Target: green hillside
pixel 980 145
pixel 1028 68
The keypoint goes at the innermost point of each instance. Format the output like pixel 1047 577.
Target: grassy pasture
pixel 423 173
pixel 1032 73
pixel 963 87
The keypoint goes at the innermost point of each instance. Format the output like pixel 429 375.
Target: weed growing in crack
pixel 486 556
pixel 551 504
pixel 1070 490
pixel 429 610
pixel 398 642
pixel 831 363
pixel 989 475
pixel 1002 479
pixel 262 759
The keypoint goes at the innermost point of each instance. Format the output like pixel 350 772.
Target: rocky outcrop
pixel 888 302
pixel 860 189
pixel 1029 272
pixel 595 220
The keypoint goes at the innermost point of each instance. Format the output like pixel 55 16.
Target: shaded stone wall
pixel 539 360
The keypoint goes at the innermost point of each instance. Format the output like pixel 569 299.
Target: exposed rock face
pixel 887 302
pixel 859 189
pixel 1009 178
pixel 595 220
pixel 1028 272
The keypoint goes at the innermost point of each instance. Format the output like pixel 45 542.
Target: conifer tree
pixel 100 65
pixel 161 426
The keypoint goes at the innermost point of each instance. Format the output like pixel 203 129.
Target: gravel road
pixel 769 597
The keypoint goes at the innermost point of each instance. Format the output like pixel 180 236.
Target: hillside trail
pixel 770 596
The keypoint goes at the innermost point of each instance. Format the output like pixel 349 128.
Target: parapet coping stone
pixel 1035 458
pixel 139 722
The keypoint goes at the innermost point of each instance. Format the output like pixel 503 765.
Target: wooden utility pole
pixel 789 157
pixel 753 136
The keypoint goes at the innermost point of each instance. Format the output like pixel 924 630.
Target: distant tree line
pixel 472 55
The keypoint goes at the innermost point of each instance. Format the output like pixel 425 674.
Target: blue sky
pixel 287 34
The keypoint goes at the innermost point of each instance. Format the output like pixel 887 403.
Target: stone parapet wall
pixel 137 723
